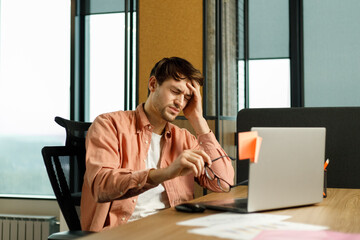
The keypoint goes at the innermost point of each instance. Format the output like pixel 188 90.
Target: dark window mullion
pixel 296 53
pixel 137 57
pixel 77 78
pixel 126 50
pixel 205 67
pixel 246 51
pixel 218 64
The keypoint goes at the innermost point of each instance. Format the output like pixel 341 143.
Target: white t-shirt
pixel 151 201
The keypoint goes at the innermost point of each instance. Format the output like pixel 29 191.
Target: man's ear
pixel 152 84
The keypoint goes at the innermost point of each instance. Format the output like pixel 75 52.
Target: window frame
pixel 79 103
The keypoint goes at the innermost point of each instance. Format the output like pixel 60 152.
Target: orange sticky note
pixel 249 145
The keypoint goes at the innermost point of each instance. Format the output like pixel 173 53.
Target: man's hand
pixel 193 109
pixel 188 162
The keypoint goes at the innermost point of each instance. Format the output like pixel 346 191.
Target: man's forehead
pixel 181 84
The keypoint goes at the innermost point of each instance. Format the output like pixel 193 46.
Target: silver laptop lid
pixel 290 168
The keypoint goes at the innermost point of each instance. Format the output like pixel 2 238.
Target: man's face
pixel 171 97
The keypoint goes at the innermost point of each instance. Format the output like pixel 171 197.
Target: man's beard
pixel 167 116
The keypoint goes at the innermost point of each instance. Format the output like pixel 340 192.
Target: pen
pixel 326 164
pixel 325 176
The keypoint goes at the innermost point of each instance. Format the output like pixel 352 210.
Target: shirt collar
pixel 143 122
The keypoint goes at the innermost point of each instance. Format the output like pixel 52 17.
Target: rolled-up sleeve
pixel 221 167
pixel 106 175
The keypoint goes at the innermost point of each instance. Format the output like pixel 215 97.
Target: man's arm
pixel 192 161
pixel 194 111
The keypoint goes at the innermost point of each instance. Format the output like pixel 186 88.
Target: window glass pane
pixel 34 88
pixel 104 6
pixel 131 63
pixel 106 63
pixel 241 29
pixel 241 54
pixel 210 80
pixel 268 29
pixel 269 83
pixel 241 85
pixel 134 58
pixel 331 53
pixel 229 62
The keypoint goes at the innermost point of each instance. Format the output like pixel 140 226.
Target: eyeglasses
pixel 222 183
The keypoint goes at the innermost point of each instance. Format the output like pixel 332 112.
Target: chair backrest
pixel 342 137
pixel 65 166
pixel 75 131
pixel 75 136
pixel 58 161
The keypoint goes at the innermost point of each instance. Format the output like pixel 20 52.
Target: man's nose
pixel 179 101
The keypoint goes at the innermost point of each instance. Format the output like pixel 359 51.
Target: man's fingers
pixel 198 161
pixel 199 158
pixel 195 84
pixel 205 157
pixel 194 88
pixel 190 164
pixel 190 161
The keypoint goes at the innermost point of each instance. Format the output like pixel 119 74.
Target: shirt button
pixel 146 141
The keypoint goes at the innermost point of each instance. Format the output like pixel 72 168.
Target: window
pixel 331 53
pixel 107 64
pixel 269 83
pixel 106 57
pixel 48 69
pixel 34 88
pixel 263 54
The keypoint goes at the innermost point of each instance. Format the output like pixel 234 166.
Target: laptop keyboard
pixel 241 203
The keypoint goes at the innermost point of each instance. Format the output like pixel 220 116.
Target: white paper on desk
pixel 233 218
pixel 249 231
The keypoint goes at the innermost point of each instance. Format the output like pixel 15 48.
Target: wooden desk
pixel 340 211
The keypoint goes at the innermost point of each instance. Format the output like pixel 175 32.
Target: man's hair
pixel 174 67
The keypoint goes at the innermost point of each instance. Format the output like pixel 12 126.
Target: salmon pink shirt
pixel 117 144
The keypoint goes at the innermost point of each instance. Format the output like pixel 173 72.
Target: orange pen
pixel 325 180
pixel 326 164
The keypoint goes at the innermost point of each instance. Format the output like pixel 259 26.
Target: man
pixel 137 162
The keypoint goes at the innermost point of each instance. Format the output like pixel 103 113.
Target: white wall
pixel 29 207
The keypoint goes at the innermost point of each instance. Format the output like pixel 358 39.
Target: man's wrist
pixel 200 126
pixel 157 176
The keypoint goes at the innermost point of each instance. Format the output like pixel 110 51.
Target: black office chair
pixel 75 136
pixel 65 166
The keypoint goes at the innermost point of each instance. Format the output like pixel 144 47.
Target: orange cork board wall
pixel 168 28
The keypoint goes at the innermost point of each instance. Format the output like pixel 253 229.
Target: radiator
pixel 23 227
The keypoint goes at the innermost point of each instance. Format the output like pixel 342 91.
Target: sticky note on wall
pixel 249 145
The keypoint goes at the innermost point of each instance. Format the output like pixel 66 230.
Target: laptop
pixel 289 171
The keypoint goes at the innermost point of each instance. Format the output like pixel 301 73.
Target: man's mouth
pixel 175 110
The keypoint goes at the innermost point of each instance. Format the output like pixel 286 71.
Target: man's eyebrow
pixel 178 89
pixel 182 91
